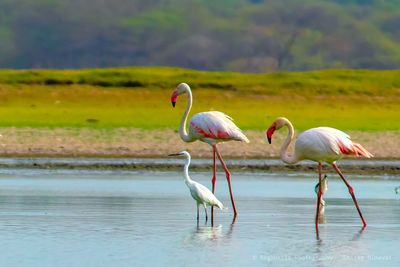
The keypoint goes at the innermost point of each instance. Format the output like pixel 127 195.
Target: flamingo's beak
pixel 270 132
pixel 174 97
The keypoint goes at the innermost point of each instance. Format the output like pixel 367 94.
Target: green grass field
pixel 140 98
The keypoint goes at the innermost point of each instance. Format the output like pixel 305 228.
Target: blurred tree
pixel 240 35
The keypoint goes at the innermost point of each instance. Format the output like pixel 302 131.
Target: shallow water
pixel 53 161
pixel 109 218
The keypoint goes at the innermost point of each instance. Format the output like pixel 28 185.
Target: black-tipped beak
pixel 173 104
pixel 173 155
pixel 270 132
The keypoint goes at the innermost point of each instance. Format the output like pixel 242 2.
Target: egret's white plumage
pixel 201 194
pixel 324 188
pixel 324 183
pixel 210 127
pixel 322 144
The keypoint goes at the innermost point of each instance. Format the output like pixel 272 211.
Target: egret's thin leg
pixel 228 177
pixel 319 196
pixel 351 191
pixel 213 181
pixel 205 210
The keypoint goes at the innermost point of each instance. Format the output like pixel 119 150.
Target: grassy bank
pixel 140 98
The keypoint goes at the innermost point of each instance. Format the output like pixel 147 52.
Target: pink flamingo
pixel 210 127
pixel 322 144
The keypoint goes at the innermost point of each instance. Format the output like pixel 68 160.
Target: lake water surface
pixel 109 218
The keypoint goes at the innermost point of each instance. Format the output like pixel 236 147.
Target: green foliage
pixel 231 35
pixel 6 45
pixel 150 20
pixel 326 82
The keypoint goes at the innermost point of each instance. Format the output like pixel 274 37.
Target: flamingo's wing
pixel 215 125
pixel 344 145
pixel 334 138
pixel 329 141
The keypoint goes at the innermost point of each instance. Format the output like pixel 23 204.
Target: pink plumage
pixel 213 127
pixel 327 144
pixel 322 144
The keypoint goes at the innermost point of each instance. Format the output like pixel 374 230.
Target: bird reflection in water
pixel 213 232
pixel 343 251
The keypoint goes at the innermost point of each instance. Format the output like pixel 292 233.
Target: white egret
pixel 201 194
pixel 324 188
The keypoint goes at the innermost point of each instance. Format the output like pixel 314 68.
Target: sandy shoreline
pixel 29 145
pixel 124 142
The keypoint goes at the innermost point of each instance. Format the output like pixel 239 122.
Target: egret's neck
pixel 182 130
pixel 289 159
pixel 188 180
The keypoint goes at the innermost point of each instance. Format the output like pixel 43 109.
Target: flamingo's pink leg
pixel 228 177
pixel 351 191
pixel 213 180
pixel 319 196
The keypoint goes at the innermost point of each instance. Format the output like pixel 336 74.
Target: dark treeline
pixel 236 35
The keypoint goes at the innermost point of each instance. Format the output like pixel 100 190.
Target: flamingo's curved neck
pixel 289 159
pixel 188 180
pixel 182 130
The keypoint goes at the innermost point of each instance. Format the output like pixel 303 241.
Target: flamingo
pixel 201 194
pixel 322 144
pixel 210 127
